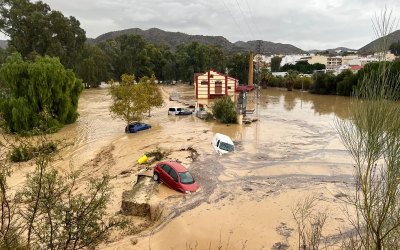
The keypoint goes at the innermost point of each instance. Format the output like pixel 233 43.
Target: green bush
pixel 209 117
pixel 224 110
pixel 306 81
pixel 276 82
pixel 157 153
pixel 347 86
pixel 23 154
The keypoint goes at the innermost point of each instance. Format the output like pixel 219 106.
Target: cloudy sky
pixel 307 24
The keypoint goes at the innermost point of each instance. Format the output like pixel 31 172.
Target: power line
pixel 234 19
pixel 253 19
pixel 245 19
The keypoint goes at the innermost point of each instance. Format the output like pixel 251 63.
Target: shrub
pixel 276 82
pixel 23 153
pixel 306 81
pixel 209 117
pixel 157 153
pixel 347 86
pixel 224 110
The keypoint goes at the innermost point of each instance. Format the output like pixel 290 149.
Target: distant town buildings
pixel 334 64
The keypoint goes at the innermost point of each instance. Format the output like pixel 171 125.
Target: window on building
pixel 204 83
pixel 211 76
pixel 229 87
pixel 218 83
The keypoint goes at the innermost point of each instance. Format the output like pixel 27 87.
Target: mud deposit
pixel 244 197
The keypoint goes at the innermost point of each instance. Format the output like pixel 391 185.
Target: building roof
pixel 356 67
pixel 219 73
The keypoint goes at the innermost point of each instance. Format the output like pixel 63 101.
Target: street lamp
pixel 302 80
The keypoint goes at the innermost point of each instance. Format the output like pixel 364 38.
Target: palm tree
pixel 291 79
pixel 265 76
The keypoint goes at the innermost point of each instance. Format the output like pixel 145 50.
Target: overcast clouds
pixel 308 24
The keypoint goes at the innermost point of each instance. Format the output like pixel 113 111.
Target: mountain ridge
pixel 393 37
pixel 173 39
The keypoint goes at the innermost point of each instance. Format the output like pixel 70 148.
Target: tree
pixel 290 79
pixel 153 96
pixel 224 110
pixel 347 85
pixel 238 65
pixel 133 56
pixel 35 86
pixel 217 58
pixel 193 58
pixel 35 28
pixel 395 48
pixel 3 55
pixel 48 213
pixel 275 63
pixel 95 66
pixel 128 100
pixel 371 135
pixel 265 76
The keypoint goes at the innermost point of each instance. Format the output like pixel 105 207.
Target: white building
pixel 291 59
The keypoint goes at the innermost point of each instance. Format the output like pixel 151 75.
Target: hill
pixel 173 39
pixel 270 47
pixel 393 37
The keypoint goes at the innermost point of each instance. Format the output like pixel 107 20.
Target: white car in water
pixel 222 144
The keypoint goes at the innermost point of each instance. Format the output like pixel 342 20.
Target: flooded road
pixel 245 196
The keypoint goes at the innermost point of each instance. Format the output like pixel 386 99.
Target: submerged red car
pixel 175 176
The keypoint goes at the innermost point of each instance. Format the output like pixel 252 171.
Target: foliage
pixel 23 153
pixel 128 100
pixel 94 67
pixel 395 48
pixel 48 213
pixel 3 55
pixel 276 63
pixel 290 79
pixel 347 85
pixel 309 222
pixel 265 73
pixel 157 153
pixel 371 135
pixel 197 58
pixel 276 82
pixel 304 82
pixel 33 28
pixel 324 84
pixel 36 86
pixel 224 110
pixel 238 65
pixel 303 67
pixel 152 93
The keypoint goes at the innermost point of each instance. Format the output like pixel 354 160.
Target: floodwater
pixel 245 196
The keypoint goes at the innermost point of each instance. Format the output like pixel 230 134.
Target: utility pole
pixel 258 52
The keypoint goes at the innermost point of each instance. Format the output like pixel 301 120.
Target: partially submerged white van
pixel 222 144
pixel 174 110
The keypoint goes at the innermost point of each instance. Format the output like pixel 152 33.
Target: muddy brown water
pixel 245 196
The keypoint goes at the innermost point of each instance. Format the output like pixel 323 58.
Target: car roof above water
pixel 178 167
pixel 223 138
